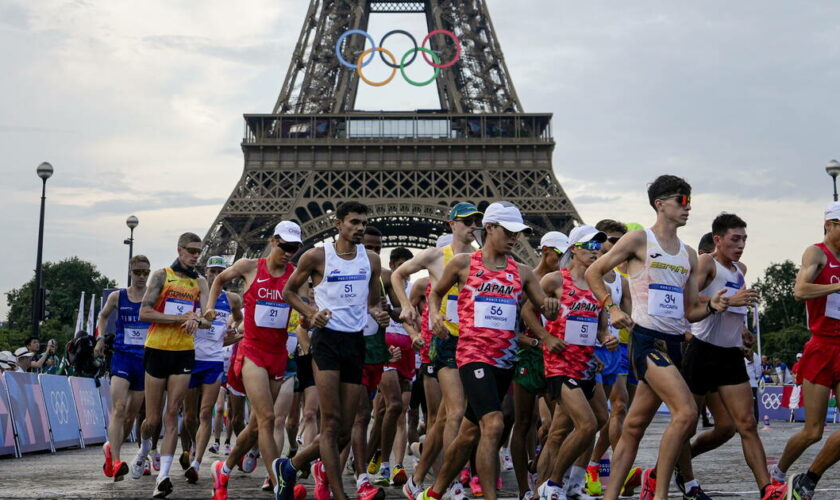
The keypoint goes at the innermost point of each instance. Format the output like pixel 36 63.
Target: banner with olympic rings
pixel 406 60
pixel 61 410
pixel 7 430
pixel 89 410
pixel 26 401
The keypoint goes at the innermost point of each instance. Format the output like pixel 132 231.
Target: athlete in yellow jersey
pixel 464 218
pixel 172 296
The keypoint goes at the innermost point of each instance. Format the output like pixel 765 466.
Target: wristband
pixel 711 309
pixel 604 300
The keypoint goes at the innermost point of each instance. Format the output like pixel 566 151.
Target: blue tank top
pixel 208 343
pixel 131 332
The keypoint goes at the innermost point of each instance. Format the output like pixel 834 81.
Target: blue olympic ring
pixel 345 35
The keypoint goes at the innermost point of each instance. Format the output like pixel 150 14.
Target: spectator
pixel 755 373
pixel 36 363
pixel 52 361
pixel 767 371
pixel 795 370
pixel 24 358
pixel 782 371
pixel 8 362
pixel 81 355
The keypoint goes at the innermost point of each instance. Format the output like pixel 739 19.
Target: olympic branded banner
pixel 61 410
pixel 406 60
pixel 7 430
pixel 26 401
pixel 89 410
pixel 105 397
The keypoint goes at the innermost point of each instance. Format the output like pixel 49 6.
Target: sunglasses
pixel 614 239
pixel 589 245
pixel 472 220
pixel 682 199
pixel 289 247
pixel 508 233
pixel 140 272
pixel 559 252
pixel 192 251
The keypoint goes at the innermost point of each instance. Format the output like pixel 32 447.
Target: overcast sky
pixel 138 106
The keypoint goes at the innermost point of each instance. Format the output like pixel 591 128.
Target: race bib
pixel 495 312
pixel 134 336
pixel 217 329
pixel 178 307
pixel 832 305
pixel 665 300
pixel 452 309
pixel 732 289
pixel 271 314
pixel 581 330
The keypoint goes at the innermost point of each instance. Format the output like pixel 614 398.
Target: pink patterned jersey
pixel 577 325
pixel 425 331
pixel 488 308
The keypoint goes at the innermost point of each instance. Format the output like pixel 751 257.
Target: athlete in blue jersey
pixel 127 373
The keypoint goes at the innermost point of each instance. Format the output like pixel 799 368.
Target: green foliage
pixel 785 343
pixel 66 280
pixel 783 330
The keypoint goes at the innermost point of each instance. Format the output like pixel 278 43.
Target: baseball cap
pixel 443 240
pixel 582 234
pixel 288 231
pixel 798 355
pixel 505 214
pixel 555 239
pixel 8 357
pixel 23 352
pixel 462 209
pixel 832 211
pixel 216 261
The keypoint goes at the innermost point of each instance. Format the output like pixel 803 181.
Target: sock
pixel 165 464
pixel 433 494
pixel 225 469
pixel 813 476
pixel 691 484
pixel 362 479
pixel 552 484
pixel 195 465
pixel 777 475
pixel 594 464
pixel 145 446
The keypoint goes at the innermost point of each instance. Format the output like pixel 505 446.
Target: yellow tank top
pixel 450 301
pixel 179 296
pixel 624 333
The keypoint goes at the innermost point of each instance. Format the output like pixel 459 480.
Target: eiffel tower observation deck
pixel 316 150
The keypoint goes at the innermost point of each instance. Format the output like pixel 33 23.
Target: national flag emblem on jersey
pixel 479 373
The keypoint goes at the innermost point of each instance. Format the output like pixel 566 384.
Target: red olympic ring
pixel 457 48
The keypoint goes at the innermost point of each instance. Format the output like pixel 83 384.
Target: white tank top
pixel 724 328
pixel 657 290
pixel 208 342
pixel 616 295
pixel 393 326
pixel 344 289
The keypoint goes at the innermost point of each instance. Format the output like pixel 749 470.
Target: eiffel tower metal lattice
pixel 315 150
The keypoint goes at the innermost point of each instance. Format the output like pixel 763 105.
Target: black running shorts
pixel 554 386
pixel 485 387
pixel 707 367
pixel 341 351
pixel 161 364
pixel 304 378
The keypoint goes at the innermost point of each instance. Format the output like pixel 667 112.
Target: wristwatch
pixel 535 342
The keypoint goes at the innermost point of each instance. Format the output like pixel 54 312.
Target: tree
pixel 782 319
pixel 66 280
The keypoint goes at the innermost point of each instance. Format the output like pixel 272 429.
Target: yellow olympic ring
pixel 393 68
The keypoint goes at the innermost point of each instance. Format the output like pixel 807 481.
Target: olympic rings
pixel 414 51
pixel 345 35
pixel 771 401
pixel 359 67
pixel 404 62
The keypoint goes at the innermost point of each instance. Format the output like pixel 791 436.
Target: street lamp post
pixel 44 171
pixel 131 222
pixel 833 169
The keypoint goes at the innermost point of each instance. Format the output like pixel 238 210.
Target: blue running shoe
pixel 286 476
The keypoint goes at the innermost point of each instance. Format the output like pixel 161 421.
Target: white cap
pixel 288 231
pixel 7 357
pixel 555 239
pixel 586 233
pixel 443 240
pixel 217 261
pixel 23 352
pixel 832 211
pixel 798 355
pixel 505 214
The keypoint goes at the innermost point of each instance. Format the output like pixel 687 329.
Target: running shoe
pixel 350 467
pixel 679 480
pixel 777 491
pixel 191 474
pixel 375 463
pixel 528 496
pixel 266 486
pixel 136 466
pixel 184 460
pixel 475 487
pixel 120 469
pixel 399 476
pixel 411 490
pixel 799 487
pixel 147 468
pixel 108 466
pixel 220 481
pixel 631 482
pixel 424 495
pixel 368 491
pixel 456 491
pixel 300 492
pixel 551 491
pixel 155 460
pixel 227 449
pixel 648 485
pixel 214 448
pixel 383 479
pixel 322 484
pixel 162 488
pixel 416 449
pixel 696 493
pixel 507 462
pixel 286 476
pixel 248 462
pixel 464 477
pixel 593 481
pixel 577 493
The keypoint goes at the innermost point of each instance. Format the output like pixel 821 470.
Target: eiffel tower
pixel 316 150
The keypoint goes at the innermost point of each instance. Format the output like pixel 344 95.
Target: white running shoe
pixel 551 492
pixel 249 462
pixel 136 466
pixel 411 490
pixel 507 462
pixel 456 491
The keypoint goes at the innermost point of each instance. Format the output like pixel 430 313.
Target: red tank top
pixel 577 324
pixel 821 309
pixel 425 332
pixel 488 311
pixel 266 313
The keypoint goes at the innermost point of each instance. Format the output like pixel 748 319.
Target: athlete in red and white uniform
pixel 261 355
pixel 491 291
pixel 818 284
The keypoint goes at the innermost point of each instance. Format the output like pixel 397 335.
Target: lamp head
pixel 833 168
pixel 45 170
pixel 132 222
